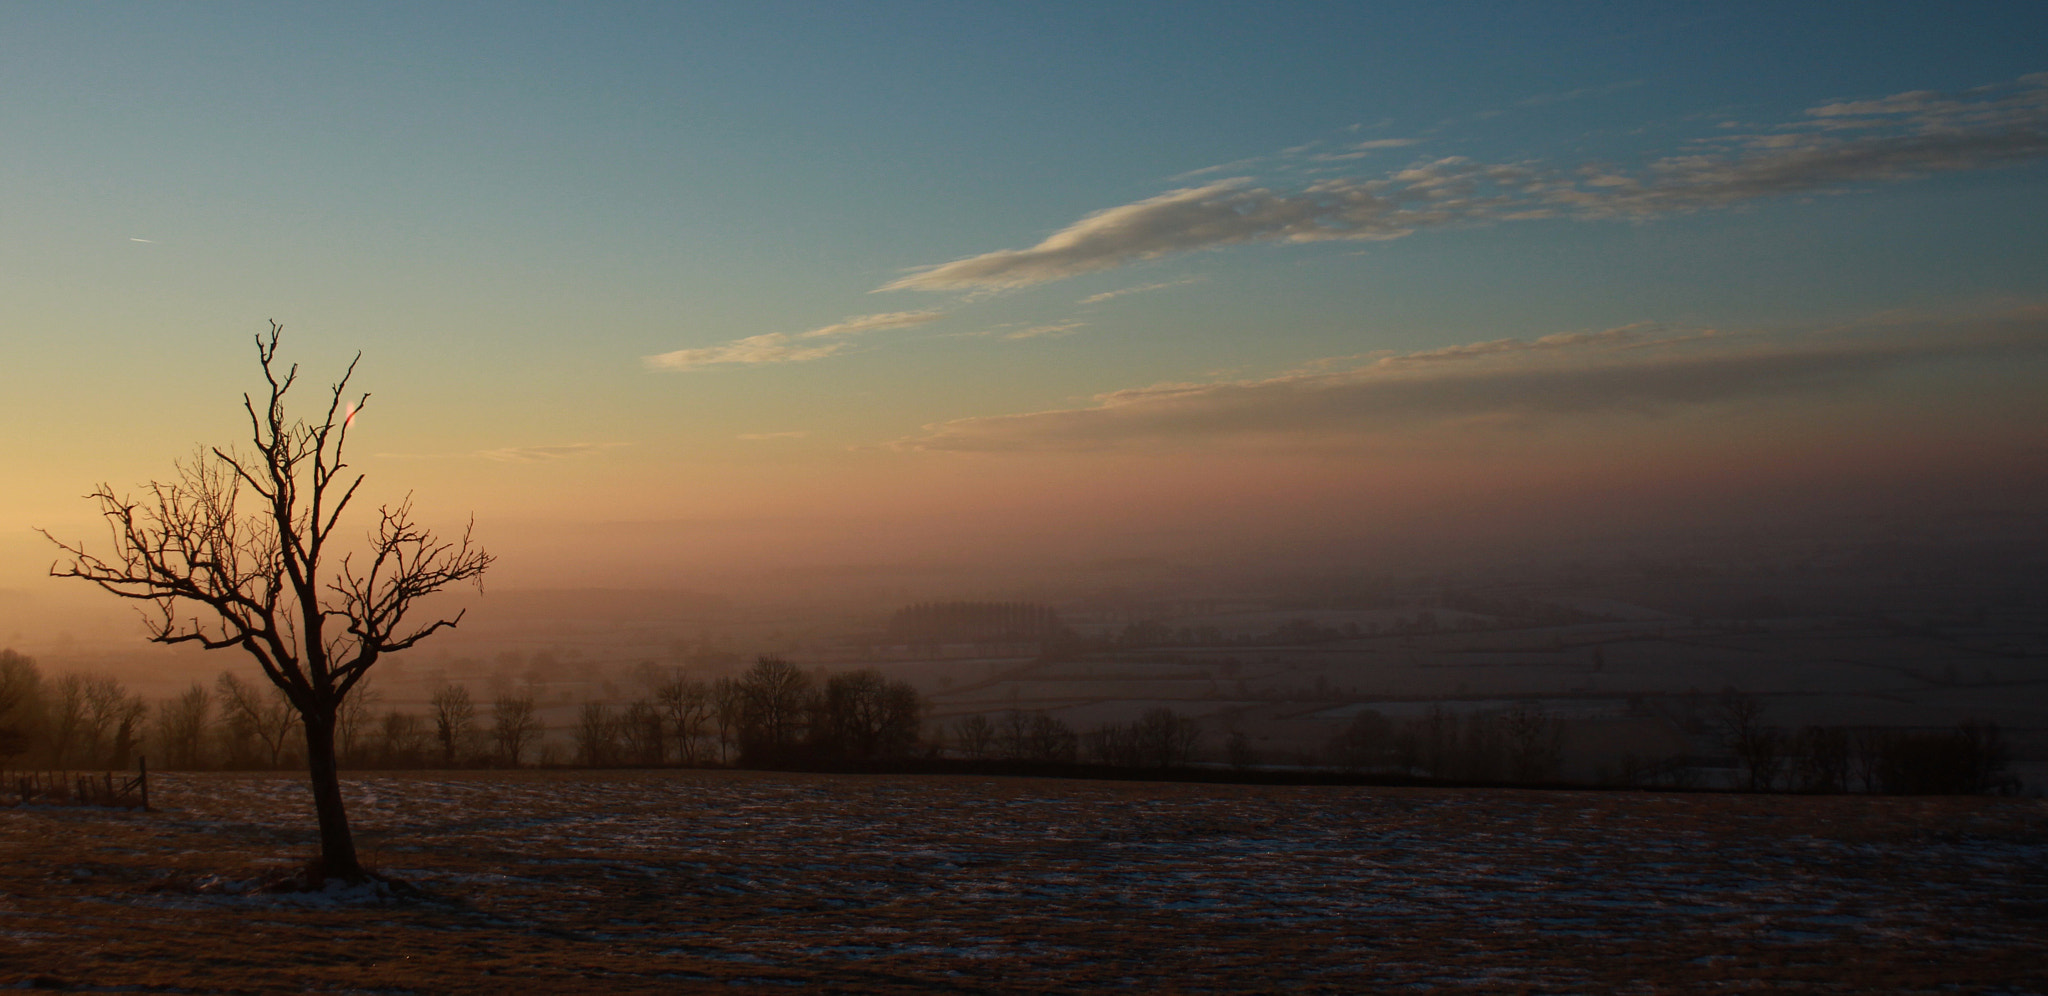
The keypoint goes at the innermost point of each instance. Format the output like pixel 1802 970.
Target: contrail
pixel 134 239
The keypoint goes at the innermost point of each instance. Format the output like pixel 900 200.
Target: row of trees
pixel 78 717
pixel 1520 744
pixel 1970 758
pixel 1523 744
pixel 94 721
pixel 774 713
pixel 1967 759
pixel 1161 738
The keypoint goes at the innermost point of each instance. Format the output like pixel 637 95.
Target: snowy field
pixel 660 881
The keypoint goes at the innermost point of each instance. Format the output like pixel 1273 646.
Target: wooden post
pixel 142 776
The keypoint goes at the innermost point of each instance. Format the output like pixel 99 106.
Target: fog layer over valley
pixel 1619 668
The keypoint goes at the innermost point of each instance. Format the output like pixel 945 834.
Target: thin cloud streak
pixel 1055 330
pixel 1223 213
pixel 1836 145
pixel 782 347
pixel 1112 295
pixel 1641 370
pixel 870 323
pixel 772 347
pixel 545 454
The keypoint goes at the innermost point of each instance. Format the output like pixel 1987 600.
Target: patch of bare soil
pixel 676 881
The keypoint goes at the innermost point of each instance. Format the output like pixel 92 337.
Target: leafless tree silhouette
pixel 515 725
pixel 268 579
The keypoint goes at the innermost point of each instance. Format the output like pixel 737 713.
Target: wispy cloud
pixel 1112 295
pixel 783 347
pixel 771 347
pixel 1638 370
pixel 1054 330
pixel 544 454
pixel 1218 214
pixel 1832 147
pixel 1361 150
pixel 1902 137
pixel 759 436
pixel 871 323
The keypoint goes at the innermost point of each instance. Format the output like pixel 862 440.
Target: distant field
pixel 656 881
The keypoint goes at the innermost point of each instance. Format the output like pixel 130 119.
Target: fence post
pixel 142 775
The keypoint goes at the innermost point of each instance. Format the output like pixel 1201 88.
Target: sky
pixel 681 295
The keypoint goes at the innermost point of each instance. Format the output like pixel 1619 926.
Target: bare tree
pixel 1013 735
pixel 1115 745
pixel 643 734
pixel 269 580
pixel 1048 739
pixel 254 712
pixel 775 698
pixel 1535 742
pixel 1820 759
pixel 67 716
pixel 727 705
pixel 454 722
pixel 355 723
pixel 1760 748
pixel 181 727
pixel 597 736
pixel 1238 749
pixel 515 725
pixel 21 684
pixel 113 721
pixel 977 736
pixel 1166 739
pixel 402 739
pixel 687 705
pixel 862 715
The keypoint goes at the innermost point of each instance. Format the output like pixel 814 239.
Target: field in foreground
pixel 660 881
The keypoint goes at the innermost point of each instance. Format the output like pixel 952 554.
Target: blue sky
pixel 517 210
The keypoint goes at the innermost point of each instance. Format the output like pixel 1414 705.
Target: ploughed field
pixel 676 880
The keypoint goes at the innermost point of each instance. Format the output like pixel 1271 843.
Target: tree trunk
pixel 337 844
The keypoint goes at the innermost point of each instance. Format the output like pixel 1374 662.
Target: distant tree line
pixel 76 721
pixel 79 720
pixel 1522 744
pixel 1968 759
pixel 777 714
pixel 1160 739
pixel 774 713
